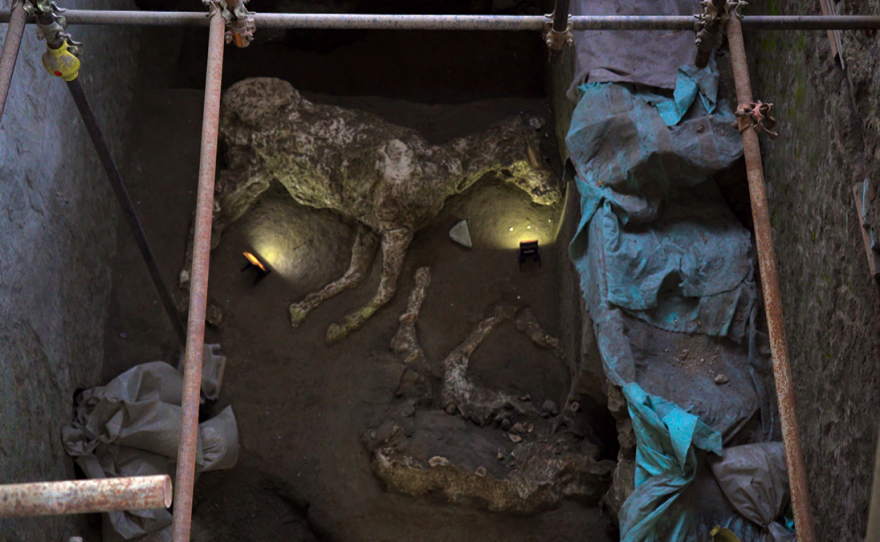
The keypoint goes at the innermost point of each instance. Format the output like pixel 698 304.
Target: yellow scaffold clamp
pixel 61 62
pixel 60 58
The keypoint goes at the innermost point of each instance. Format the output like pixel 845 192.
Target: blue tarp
pixel 690 83
pixel 689 270
pixel 658 248
pixel 665 464
pixel 624 151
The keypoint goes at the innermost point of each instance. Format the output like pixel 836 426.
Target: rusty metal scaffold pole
pixel 195 336
pixel 794 457
pixel 85 496
pixel 9 56
pixel 343 21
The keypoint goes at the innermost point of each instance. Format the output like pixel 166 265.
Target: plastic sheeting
pixel 131 427
pixel 676 496
pixel 754 479
pixel 665 463
pixel 631 166
pixel 668 275
pixel 690 83
pixel 623 150
pixel 648 57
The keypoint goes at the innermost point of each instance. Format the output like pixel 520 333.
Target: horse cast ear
pixel 257 99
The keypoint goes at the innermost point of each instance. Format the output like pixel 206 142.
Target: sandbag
pixel 754 479
pixel 131 427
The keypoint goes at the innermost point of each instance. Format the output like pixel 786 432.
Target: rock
pixel 438 461
pixel 549 408
pixel 386 431
pixel 721 379
pixel 514 438
pixel 461 235
pixel 184 277
pixel 213 315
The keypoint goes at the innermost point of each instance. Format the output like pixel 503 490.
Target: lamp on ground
pixel 528 250
pixel 254 263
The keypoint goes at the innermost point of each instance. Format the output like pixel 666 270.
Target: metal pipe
pixel 810 22
pixel 794 458
pixel 10 51
pixel 559 28
pixel 328 21
pixel 85 496
pixel 711 33
pixel 128 211
pixel 195 338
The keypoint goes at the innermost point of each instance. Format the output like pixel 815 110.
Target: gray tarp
pixel 649 57
pixel 130 427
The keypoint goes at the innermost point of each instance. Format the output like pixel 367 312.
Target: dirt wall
pixel 829 300
pixel 57 238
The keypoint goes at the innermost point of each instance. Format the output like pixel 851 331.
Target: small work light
pixel 254 263
pixel 528 250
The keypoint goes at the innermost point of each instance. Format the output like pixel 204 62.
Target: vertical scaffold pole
pixel 9 56
pixel 794 456
pixel 195 338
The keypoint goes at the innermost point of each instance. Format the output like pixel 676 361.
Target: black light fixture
pixel 528 250
pixel 254 263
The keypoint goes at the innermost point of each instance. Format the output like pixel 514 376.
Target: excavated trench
pixel 356 441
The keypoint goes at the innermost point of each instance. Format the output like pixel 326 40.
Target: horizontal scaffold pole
pixel 329 21
pixel 85 496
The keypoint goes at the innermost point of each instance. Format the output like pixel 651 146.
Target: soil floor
pixel 301 405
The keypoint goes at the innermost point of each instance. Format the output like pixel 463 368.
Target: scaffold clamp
pixel 709 24
pixel 51 24
pixel 756 115
pixel 556 40
pixel 240 24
